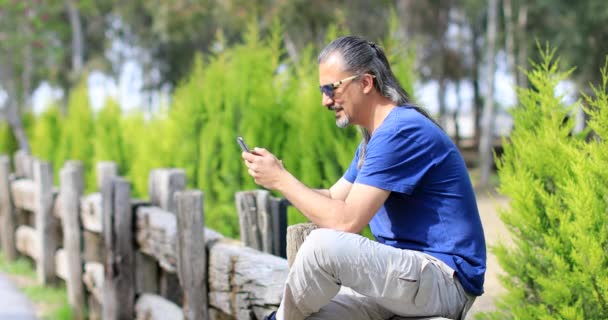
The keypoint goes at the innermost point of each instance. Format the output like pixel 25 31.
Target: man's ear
pixel 368 83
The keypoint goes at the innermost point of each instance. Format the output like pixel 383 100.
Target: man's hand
pixel 264 167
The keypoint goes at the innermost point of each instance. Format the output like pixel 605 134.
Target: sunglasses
pixel 329 89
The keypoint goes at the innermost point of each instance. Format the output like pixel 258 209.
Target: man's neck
pixel 380 108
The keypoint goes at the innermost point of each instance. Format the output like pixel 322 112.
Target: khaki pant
pixel 339 275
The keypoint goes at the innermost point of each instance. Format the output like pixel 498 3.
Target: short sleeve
pixel 395 161
pixel 351 173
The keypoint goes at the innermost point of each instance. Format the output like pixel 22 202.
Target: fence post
pixel 191 253
pixel 296 234
pixel 46 224
pixel 24 165
pixel 162 185
pixel 8 224
pixel 119 279
pixel 105 170
pixel 72 186
pixel 262 221
pixel 247 207
pixel 278 209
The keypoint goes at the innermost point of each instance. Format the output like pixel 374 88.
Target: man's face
pixel 343 85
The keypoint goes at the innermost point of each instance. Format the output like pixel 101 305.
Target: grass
pixel 50 302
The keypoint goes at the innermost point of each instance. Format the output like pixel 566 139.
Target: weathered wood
pixel 246 206
pixel 243 281
pixel 91 213
pixel 153 307
pixel 26 241
pixel 105 170
pixel 24 194
pixel 146 277
pixel 8 221
pixel 262 200
pixel 24 165
pixel 93 249
pixel 170 288
pixel 191 257
pixel 262 220
pixel 296 234
pixel 93 278
pixel 57 211
pixel 278 209
pixel 46 223
pixel 61 264
pixel 119 282
pixel 72 187
pixel 94 308
pixel 162 184
pixel 156 235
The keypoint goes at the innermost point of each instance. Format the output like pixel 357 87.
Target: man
pixel 407 181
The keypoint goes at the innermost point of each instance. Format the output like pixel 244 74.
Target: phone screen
pixel 242 143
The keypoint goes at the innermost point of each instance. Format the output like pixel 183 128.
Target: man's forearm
pixel 315 204
pixel 324 192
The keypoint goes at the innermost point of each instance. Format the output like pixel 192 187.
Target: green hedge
pixel 558 185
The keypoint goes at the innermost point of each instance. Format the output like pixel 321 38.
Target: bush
pixel 8 143
pixel 77 135
pixel 557 183
pixel 46 136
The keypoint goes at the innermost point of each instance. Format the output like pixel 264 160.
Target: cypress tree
pixel 77 135
pixel 46 136
pixel 557 182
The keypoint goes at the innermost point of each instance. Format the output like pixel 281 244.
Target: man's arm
pixel 338 191
pixel 350 214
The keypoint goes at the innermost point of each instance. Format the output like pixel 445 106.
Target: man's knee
pixel 325 246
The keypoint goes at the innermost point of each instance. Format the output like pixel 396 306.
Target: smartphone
pixel 243 145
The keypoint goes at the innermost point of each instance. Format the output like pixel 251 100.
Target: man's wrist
pixel 283 181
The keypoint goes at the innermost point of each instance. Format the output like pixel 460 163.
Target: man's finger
pixel 260 151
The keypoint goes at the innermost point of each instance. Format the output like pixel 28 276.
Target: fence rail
pixel 124 258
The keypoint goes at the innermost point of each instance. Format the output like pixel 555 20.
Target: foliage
pixel 557 184
pixel 108 141
pixel 8 143
pixel 46 135
pixel 78 134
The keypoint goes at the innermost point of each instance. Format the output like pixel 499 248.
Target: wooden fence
pixel 124 258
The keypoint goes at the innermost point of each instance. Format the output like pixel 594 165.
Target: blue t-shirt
pixel 431 207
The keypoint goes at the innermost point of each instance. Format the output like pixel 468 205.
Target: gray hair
pixel 361 56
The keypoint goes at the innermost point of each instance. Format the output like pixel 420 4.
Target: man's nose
pixel 327 101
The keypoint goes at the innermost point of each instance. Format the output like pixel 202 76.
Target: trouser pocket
pixel 426 282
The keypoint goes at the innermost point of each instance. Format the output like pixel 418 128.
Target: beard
pixel 343 121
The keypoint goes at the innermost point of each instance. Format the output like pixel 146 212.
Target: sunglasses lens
pixel 328 90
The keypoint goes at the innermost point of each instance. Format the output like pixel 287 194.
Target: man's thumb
pixel 260 151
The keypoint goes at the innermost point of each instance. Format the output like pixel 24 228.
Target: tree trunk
pixel 510 39
pixel 28 67
pixel 456 113
pixel 404 12
pixel 13 116
pixel 522 44
pixel 77 39
pixel 477 102
pixel 485 146
pixel 291 48
pixel 441 95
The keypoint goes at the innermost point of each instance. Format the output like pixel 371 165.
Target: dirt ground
pixel 494 231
